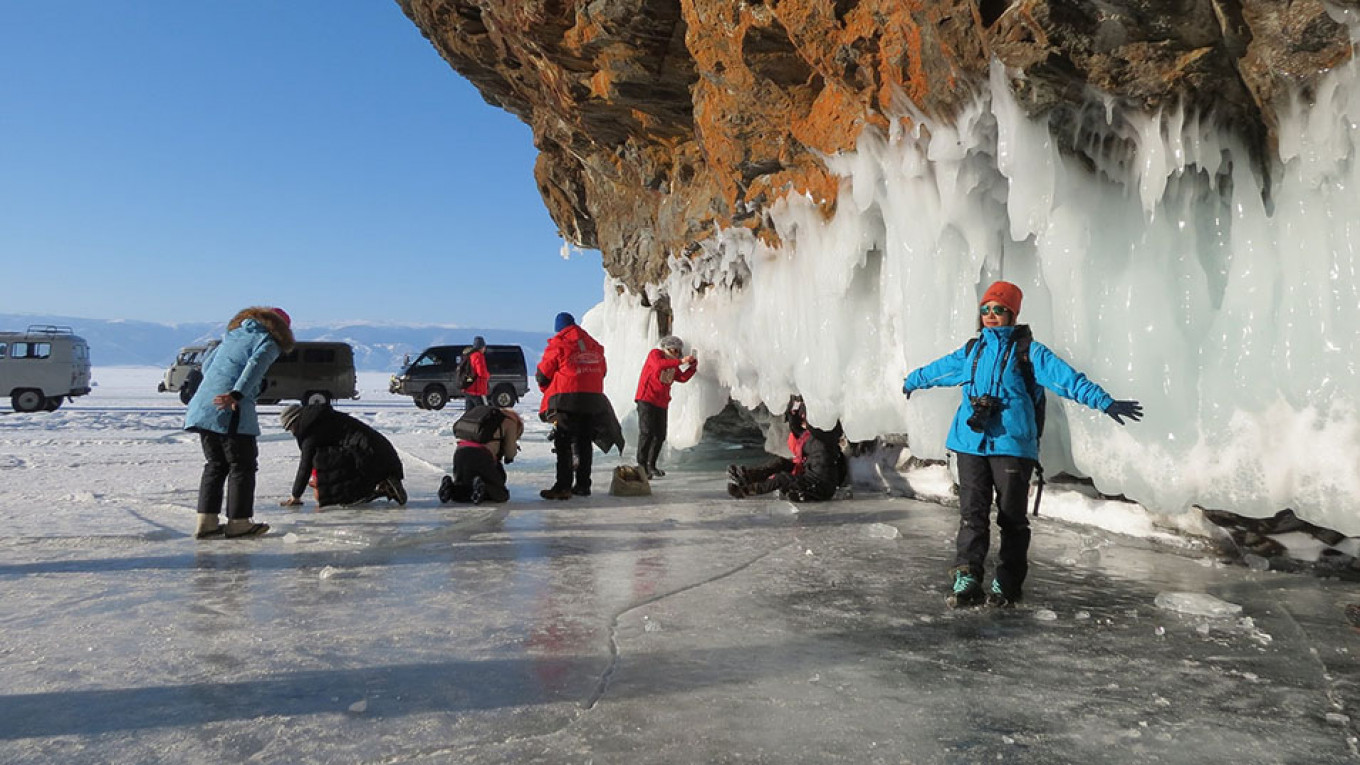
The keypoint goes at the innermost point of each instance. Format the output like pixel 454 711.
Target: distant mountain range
pixel 377 347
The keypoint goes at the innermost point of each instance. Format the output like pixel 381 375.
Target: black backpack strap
pixel 1021 339
pixel 1039 490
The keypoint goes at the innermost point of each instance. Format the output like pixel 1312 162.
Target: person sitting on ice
pixel 817 469
pixel 995 438
pixel 479 460
pixel 353 462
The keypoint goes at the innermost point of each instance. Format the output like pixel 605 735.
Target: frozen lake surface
pixel 684 627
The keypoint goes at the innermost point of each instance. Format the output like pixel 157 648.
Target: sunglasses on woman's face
pixel 995 310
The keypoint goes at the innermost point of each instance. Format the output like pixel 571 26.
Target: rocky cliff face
pixel 659 121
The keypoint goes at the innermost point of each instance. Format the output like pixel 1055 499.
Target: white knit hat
pixel 290 415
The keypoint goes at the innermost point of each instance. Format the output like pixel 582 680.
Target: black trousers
pixel 573 440
pixel 651 433
pixel 229 461
pixel 471 462
pixel 981 480
pixel 777 475
pixel 472 402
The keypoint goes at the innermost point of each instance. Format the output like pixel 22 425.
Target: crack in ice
pixel 603 685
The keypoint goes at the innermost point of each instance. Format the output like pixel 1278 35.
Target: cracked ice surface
pixel 683 627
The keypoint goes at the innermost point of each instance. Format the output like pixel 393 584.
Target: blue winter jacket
pixel 1014 433
pixel 238 364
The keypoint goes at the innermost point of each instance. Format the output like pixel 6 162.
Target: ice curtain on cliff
pixel 1165 262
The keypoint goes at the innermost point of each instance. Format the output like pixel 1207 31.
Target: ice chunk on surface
pixel 1196 603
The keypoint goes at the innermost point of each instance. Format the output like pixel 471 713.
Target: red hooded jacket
pixel 573 362
pixel 480 374
pixel 654 386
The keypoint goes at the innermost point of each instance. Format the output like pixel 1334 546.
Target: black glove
pixel 906 392
pixel 1130 409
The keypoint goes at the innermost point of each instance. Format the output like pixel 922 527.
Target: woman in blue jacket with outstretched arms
pixel 995 438
pixel 222 413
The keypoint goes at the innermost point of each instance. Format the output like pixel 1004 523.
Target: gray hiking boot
pixel 967 590
pixel 999 597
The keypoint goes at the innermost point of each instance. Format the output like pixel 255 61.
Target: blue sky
pixel 176 161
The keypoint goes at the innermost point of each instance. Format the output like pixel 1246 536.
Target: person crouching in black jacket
pixel 353 462
pixel 479 468
pixel 817 469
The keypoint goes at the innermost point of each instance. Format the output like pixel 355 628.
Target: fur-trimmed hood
pixel 272 322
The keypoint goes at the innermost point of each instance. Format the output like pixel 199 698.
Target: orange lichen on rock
pixel 661 121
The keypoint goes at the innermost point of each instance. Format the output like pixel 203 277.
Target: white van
pixel 314 372
pixel 43 365
pixel 189 361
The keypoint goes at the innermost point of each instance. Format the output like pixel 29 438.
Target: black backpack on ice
pixel 479 424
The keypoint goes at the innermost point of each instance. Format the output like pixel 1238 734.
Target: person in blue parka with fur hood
pixel 995 438
pixel 222 412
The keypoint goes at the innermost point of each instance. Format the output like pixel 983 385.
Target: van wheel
pixel 420 402
pixel 504 396
pixel 317 397
pixel 53 404
pixel 436 397
pixel 27 400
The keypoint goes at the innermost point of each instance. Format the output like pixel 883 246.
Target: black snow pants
pixel 229 461
pixel 573 440
pixel 1005 479
pixel 471 462
pixel 778 476
pixel 651 433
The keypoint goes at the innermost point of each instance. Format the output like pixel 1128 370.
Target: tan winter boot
pixel 245 527
pixel 209 527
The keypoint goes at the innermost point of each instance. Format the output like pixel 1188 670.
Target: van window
pixel 318 355
pixel 31 350
pixel 4 350
pixel 428 360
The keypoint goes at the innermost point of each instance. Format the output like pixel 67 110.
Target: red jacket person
pixel 571 376
pixel 663 367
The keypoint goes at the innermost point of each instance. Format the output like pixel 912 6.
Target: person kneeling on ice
pixel 995 438
pixel 353 462
pixel 488 439
pixel 817 469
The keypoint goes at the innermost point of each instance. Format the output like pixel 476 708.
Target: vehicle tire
pixel 420 402
pixel 504 396
pixel 436 397
pixel 53 403
pixel 27 400
pixel 317 397
pixel 185 395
